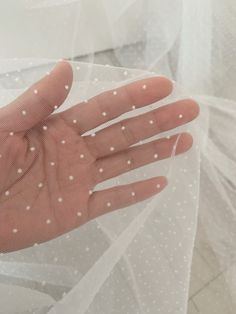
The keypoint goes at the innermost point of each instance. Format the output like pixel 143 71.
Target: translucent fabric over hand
pixel 137 259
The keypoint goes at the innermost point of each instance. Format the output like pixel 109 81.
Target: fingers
pixel 39 101
pixel 121 135
pixel 103 202
pixel 114 103
pixel 140 155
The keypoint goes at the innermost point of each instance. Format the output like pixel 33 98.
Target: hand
pixel 49 168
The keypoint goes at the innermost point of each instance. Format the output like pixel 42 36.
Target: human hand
pixel 49 168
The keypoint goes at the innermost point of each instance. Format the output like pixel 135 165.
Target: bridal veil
pixel 136 260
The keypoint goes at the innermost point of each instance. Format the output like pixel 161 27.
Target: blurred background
pixel 83 33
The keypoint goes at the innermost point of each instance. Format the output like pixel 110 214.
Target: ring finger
pixel 140 155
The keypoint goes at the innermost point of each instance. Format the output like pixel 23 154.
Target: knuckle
pixel 128 134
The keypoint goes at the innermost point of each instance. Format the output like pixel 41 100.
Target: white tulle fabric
pixel 138 260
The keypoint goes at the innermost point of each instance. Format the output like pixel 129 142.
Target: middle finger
pixel 121 135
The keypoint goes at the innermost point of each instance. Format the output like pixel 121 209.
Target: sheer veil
pixel 140 259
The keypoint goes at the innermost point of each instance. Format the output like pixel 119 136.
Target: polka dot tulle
pixel 126 252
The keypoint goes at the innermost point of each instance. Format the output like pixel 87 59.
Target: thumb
pixel 39 101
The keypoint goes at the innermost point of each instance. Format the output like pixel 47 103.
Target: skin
pixel 49 168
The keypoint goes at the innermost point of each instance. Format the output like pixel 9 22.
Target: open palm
pixel 49 168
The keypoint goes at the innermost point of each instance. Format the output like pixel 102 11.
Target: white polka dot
pixel 60 199
pixel 133 193
pixel 104 113
pixel 52 163
pixel 63 141
pixel 45 127
pixel 27 207
pixel 123 128
pixel 144 86
pixel 115 93
pixel 112 148
pixel 133 107
pixel 7 193
pixel 108 204
pixel 35 91
pixel 90 192
pixel 158 186
pixel 151 122
pixel 81 156
pixel 66 87
pixel 168 137
pixel 101 170
pixel 19 170
pixel 32 148
pixel 71 178
pixel 155 156
pixel 93 134
pixel 180 116
pixel 48 221
pixel 40 185
pixel 129 162
pixel 11 133
pixel 14 230
pixel 23 112
pixel 79 214
pixel 55 107
pixel 74 121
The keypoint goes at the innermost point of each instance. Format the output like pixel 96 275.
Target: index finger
pixel 113 103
